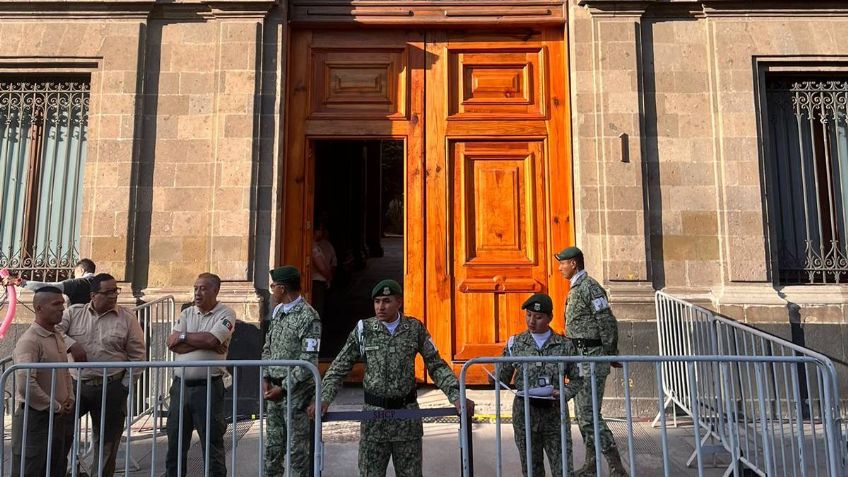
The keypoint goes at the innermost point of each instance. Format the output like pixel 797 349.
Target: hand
pixel 78 353
pixel 310 411
pixel 274 394
pixel 12 280
pixel 616 364
pixel 68 406
pixel 221 349
pixel 469 404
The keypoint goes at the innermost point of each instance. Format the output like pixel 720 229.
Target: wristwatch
pixel 182 337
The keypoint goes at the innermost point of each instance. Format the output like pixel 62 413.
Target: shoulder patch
pixel 226 322
pixel 600 303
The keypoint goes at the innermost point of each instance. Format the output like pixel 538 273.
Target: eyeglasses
pixel 112 292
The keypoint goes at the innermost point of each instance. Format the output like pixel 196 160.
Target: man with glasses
pixel 103 331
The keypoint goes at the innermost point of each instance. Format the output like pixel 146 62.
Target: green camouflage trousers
pixel 585 416
pixel 374 458
pixel 302 439
pixel 544 436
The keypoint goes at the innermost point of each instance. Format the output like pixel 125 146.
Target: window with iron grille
pixel 42 161
pixel 808 170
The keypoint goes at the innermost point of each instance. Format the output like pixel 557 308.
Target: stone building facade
pixel 672 160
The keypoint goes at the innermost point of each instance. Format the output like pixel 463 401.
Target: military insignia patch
pixel 387 291
pixel 537 306
pixel 600 304
pixel 312 345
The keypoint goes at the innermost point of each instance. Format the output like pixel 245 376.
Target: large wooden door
pixel 498 184
pixel 488 187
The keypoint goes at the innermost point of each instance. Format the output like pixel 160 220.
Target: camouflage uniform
pixel 545 421
pixel 390 372
pixel 292 335
pixel 588 317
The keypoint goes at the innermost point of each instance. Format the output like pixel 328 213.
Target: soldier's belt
pixel 388 414
pixel 586 343
pixel 391 403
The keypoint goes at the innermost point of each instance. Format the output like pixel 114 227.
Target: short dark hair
pixel 292 285
pixel 578 260
pixel 48 289
pixel 87 264
pixel 98 279
pixel 215 279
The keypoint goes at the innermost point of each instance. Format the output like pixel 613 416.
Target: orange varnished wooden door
pixel 498 184
pixel 488 187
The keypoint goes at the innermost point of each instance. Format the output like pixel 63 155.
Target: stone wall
pixel 683 208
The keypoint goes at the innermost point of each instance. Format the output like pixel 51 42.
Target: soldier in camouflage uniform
pixel 294 332
pixel 545 422
pixel 387 345
pixel 590 324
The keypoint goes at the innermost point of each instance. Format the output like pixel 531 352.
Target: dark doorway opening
pixel 358 218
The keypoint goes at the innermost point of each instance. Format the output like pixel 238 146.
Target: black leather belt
pixel 586 343
pixel 197 382
pixel 541 403
pixel 391 403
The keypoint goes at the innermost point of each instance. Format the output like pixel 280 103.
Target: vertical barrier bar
pixel 262 423
pixel 563 421
pixel 498 444
pixel 156 422
pixel 663 430
pixel 762 402
pixel 628 413
pixel 288 419
pixel 596 414
pixel 77 433
pixel 690 372
pixel 50 423
pixel 103 387
pixel 130 400
pixel 207 450
pixel 527 428
pixel 234 446
pixel 181 418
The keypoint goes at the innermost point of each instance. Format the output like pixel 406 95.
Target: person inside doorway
pixel 324 263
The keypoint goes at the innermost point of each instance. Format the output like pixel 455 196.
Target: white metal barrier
pixel 149 444
pixel 793 439
pixel 793 395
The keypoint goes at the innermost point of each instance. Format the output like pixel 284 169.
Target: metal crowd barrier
pixel 147 446
pixel 793 438
pixel 793 395
pixel 157 319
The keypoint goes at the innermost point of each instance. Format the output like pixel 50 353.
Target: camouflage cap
pixel 284 274
pixel 386 288
pixel 540 303
pixel 568 253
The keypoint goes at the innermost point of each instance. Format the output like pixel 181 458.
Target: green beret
pixel 568 253
pixel 284 274
pixel 386 288
pixel 539 303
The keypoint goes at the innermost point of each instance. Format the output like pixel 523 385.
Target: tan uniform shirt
pixel 106 337
pixel 37 345
pixel 219 321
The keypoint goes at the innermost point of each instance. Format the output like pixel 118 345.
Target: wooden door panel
pixel 498 199
pixel 502 83
pixel 359 83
